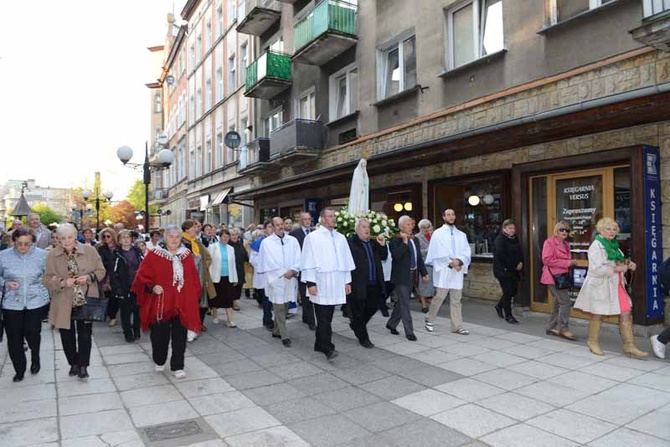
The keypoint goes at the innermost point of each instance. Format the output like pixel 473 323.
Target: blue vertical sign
pixel 652 229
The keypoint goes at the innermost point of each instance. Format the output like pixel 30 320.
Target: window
pixel 208 94
pixel 244 56
pixel 208 34
pixel 232 9
pixel 343 92
pixel 653 7
pixel 474 30
pixel 562 10
pixel 244 134
pixel 191 163
pixel 219 150
pixel 198 161
pixel 191 109
pixel 398 67
pixel 273 121
pixel 198 99
pixel 208 156
pixel 219 84
pixel 230 154
pixel 198 47
pixel 219 20
pixel 307 106
pixel 231 74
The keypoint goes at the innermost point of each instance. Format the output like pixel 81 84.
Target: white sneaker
pixel 190 336
pixel 429 327
pixel 179 374
pixel 657 347
pixel 159 368
pixel 215 320
pixel 231 324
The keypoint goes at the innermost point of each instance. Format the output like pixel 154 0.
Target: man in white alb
pixel 279 262
pixel 449 254
pixel 326 267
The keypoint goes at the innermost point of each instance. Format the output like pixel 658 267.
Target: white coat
pixel 215 268
pixel 278 256
pixel 446 245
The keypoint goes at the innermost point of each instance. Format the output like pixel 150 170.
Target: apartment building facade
pixel 539 111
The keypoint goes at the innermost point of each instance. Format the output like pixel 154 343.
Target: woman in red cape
pixel 168 288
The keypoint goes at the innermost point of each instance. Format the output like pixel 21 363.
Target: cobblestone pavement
pixel 501 386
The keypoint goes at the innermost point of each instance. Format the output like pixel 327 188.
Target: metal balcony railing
pixel 256 151
pixel 296 134
pixel 272 65
pixel 328 16
pixel 654 7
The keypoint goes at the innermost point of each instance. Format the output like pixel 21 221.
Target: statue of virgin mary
pixel 359 195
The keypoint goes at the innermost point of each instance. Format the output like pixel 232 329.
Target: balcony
pixel 326 32
pixel 296 142
pixel 255 157
pixel 268 75
pixel 260 16
pixel 655 29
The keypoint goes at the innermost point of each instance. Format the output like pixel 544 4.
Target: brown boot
pixel 629 349
pixel 594 335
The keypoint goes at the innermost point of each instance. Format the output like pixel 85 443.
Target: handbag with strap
pixel 94 309
pixel 563 280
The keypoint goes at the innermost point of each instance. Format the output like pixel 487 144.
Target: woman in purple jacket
pixel 556 258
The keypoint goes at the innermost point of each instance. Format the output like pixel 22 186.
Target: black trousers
pixel 161 333
pixel 77 342
pixel 509 287
pixel 203 312
pixel 307 306
pixel 361 310
pixel 112 305
pixel 130 315
pixel 401 311
pixel 324 330
pixel 20 324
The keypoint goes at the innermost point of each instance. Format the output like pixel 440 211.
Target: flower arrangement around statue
pixel 345 223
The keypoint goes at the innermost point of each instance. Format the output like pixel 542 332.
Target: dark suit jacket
pixel 299 234
pixel 360 276
pixel 400 272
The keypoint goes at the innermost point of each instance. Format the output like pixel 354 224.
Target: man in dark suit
pixel 367 281
pixel 307 308
pixel 406 265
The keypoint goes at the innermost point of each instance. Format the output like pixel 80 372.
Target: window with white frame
pixel 244 56
pixel 191 109
pixel 219 84
pixel 232 11
pixel 219 19
pixel 208 156
pixel 397 64
pixel 198 105
pixel 198 161
pixel 231 74
pixel 307 105
pixel 230 153
pixel 343 92
pixel 208 34
pixel 181 172
pixel 208 94
pixel 244 132
pixel 191 163
pixel 561 10
pixel 219 150
pixel 474 30
pixel 271 122
pixel 198 47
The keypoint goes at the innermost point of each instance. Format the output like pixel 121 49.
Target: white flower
pixel 376 229
pixel 384 223
pixel 339 219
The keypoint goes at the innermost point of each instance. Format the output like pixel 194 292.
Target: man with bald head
pixel 449 254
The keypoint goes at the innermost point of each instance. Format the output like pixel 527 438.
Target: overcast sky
pixel 72 88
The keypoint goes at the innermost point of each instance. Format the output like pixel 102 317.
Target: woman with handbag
pixel 556 260
pixel 507 267
pixel 25 299
pixel 73 273
pixel 127 261
pixel 604 290
pixel 168 290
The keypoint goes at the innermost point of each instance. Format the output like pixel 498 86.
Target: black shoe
pixel 351 325
pixel 74 370
pixel 136 335
pixel 83 373
pixel 270 326
pixel 499 311
pixel 276 336
pixel 411 337
pixel 286 342
pixel 511 320
pixel 330 355
pixel 129 338
pixel 18 377
pixel 312 326
pixel 385 312
pixel 35 367
pixel 424 310
pixel 392 330
pixel 367 344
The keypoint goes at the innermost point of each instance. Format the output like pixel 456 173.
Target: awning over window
pixel 220 197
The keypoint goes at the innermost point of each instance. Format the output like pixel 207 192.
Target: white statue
pixel 359 195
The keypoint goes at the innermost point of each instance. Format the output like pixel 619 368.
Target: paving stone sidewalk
pixel 501 386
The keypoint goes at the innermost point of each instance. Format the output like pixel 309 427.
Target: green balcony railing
pixel 330 15
pixel 270 65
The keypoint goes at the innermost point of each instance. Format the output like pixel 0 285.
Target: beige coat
pixel 88 261
pixel 600 293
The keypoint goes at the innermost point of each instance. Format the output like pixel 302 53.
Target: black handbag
pixel 563 280
pixel 95 308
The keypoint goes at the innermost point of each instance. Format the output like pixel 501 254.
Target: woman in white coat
pixel 224 276
pixel 604 291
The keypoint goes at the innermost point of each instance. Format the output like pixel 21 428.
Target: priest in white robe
pixel 326 267
pixel 279 262
pixel 449 254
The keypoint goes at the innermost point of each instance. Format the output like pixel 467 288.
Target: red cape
pixel 157 270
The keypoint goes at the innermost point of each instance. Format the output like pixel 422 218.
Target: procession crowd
pixel 168 284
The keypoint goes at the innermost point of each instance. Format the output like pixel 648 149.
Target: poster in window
pixel 579 201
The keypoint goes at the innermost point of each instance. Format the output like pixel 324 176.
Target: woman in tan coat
pixel 604 291
pixel 73 271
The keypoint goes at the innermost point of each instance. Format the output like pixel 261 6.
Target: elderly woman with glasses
pixel 604 290
pixel 106 249
pixel 168 291
pixel 557 259
pixel 72 273
pixel 25 299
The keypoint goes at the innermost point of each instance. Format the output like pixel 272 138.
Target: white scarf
pixel 177 266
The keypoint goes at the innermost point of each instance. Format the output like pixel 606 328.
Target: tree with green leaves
pixel 47 215
pixel 136 197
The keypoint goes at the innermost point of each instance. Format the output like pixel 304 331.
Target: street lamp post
pixel 106 197
pixel 162 213
pixel 163 161
pixel 81 210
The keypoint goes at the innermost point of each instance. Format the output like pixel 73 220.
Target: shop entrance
pixel 580 198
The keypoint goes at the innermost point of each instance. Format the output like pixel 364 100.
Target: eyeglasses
pixel 106 236
pixel 24 244
pixel 563 230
